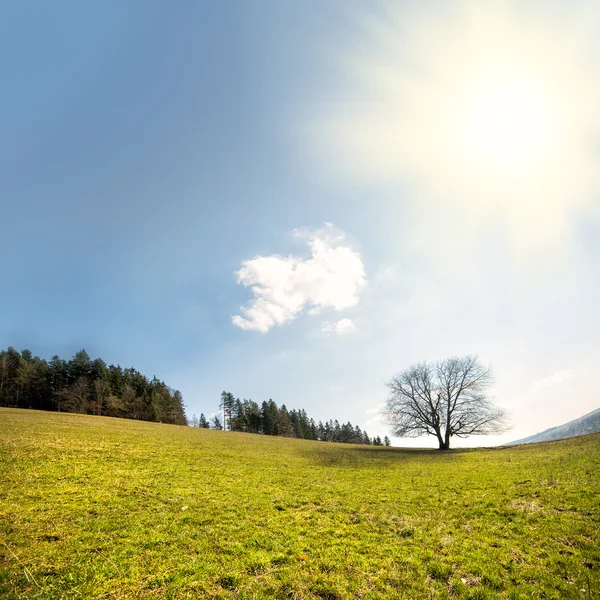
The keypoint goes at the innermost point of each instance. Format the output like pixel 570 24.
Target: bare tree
pixel 101 393
pixel 75 398
pixel 445 399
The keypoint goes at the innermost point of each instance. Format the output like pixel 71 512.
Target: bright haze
pixel 297 200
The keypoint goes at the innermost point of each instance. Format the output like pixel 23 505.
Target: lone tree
pixel 445 399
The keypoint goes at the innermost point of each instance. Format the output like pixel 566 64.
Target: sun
pixel 504 123
pixel 484 109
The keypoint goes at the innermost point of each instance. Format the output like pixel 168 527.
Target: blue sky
pixel 399 183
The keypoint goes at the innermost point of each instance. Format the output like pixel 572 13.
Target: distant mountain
pixel 589 423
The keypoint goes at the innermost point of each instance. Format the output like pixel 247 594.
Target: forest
pixel 270 419
pixel 86 385
pixel 90 386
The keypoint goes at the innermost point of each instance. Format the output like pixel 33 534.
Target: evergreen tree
pixel 357 437
pixel 58 376
pixel 321 432
pixel 253 417
pixel 337 431
pixel 297 430
pixel 226 406
pixel 285 423
pixel 177 414
pixel 28 380
pixel 79 366
pixel 238 416
pixel 270 418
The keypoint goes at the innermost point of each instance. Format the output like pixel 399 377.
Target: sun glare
pixel 482 109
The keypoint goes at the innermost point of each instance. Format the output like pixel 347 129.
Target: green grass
pixel 92 507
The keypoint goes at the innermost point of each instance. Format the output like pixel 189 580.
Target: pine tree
pixel 238 416
pixel 270 418
pixel 226 406
pixel 285 422
pixel 254 417
pixel 79 366
pixel 321 432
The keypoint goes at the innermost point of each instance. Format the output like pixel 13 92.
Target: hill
pixel 589 423
pixel 97 507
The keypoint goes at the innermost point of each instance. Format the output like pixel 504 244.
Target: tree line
pixel 86 385
pixel 90 386
pixel 269 419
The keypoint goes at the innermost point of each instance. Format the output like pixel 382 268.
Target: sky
pixel 297 201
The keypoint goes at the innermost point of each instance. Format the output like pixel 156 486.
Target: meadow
pixel 96 507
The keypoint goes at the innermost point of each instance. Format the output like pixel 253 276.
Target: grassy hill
pixel 93 507
pixel 589 423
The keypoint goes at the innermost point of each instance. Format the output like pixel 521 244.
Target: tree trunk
pixel 441 442
pixel 447 441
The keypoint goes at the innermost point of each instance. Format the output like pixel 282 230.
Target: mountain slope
pixel 589 423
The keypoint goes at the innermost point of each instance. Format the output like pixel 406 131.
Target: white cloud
pixel 284 285
pixel 552 380
pixel 339 327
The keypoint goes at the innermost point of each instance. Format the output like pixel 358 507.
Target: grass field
pixel 93 507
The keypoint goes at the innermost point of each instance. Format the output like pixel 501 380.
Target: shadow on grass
pixel 348 455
